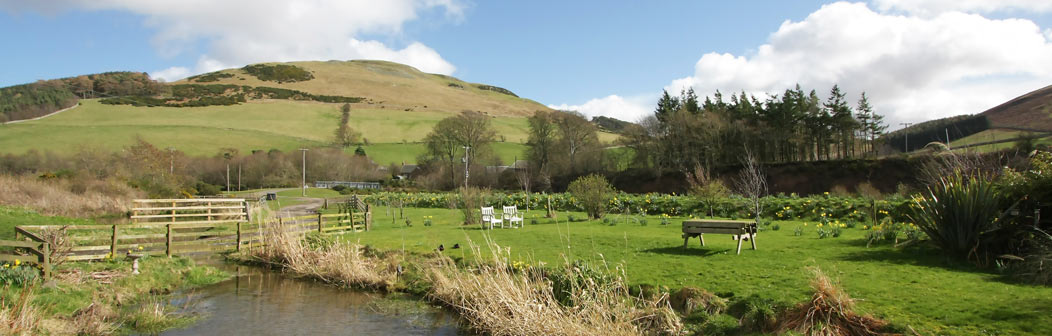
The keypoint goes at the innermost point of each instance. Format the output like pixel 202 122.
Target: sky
pixel 916 59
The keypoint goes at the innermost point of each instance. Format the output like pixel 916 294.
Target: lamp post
pixel 303 182
pixel 905 126
pixel 466 150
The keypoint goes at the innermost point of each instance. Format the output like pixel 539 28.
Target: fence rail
pixel 29 251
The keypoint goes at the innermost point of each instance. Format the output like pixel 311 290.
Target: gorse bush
pixel 281 73
pixel 957 213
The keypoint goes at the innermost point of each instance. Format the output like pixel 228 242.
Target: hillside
pixel 384 85
pixel 1030 111
pixel 399 106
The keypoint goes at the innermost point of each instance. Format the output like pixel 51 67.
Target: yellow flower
pixel 843 225
pixel 826 193
pixel 865 227
pixel 7 266
pixel 18 262
pixel 805 224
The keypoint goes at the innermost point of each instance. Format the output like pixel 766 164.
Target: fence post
pixel 319 222
pixel 168 241
pixel 113 243
pixel 239 236
pixel 46 255
pixel 248 214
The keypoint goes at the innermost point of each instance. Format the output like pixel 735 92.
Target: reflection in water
pixel 259 302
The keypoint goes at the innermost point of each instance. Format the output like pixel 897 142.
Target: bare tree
pixel 752 181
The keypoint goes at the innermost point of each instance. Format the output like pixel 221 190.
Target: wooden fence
pixel 179 227
pixel 38 252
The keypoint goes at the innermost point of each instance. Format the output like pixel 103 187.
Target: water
pixel 260 302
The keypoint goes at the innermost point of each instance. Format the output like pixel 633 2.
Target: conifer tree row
pixel 792 126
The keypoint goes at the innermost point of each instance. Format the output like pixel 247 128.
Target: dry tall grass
pixel 343 264
pixel 60 197
pixel 496 299
pixel 830 312
pixel 19 317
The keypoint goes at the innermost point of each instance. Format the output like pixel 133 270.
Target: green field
pixel 911 286
pixel 994 135
pixel 285 125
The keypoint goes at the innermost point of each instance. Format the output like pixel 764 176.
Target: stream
pixel 262 302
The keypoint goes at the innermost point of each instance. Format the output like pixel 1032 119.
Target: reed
pixel 499 298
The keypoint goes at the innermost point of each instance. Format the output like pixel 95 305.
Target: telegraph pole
pixel 303 182
pixel 905 126
pixel 466 150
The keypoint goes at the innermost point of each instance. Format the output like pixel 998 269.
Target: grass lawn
pixel 912 286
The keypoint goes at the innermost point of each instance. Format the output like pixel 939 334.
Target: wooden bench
pixel 741 229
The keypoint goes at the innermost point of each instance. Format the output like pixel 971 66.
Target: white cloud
pixel 239 32
pixel 932 7
pixel 627 109
pixel 171 74
pixel 913 68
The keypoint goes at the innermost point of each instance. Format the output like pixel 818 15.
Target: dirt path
pixel 309 207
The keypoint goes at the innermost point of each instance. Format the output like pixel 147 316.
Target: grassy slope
pixel 992 135
pixel 912 287
pixel 286 125
pixel 395 86
pixel 283 125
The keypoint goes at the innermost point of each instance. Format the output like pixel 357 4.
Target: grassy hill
pixel 387 86
pixel 401 106
pixel 1032 110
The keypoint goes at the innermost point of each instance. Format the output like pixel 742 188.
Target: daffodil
pixel 18 262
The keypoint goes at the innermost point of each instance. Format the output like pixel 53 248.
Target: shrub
pixel 207 189
pixel 594 193
pixel 956 212
pixel 471 205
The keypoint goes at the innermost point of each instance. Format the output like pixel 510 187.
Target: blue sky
pixel 597 57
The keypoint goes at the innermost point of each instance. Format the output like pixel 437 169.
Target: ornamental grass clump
pixel 830 312
pixel 498 299
pixel 958 213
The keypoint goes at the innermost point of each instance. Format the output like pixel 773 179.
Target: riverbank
pixel 99 298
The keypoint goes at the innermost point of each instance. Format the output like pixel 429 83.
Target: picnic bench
pixel 741 229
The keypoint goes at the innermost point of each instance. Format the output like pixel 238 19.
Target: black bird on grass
pixel 456 246
pixel 441 248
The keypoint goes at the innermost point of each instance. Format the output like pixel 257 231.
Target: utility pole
pixel 303 182
pixel 947 138
pixel 466 150
pixel 905 126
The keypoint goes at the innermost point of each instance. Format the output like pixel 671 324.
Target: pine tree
pixel 667 105
pixel 864 116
